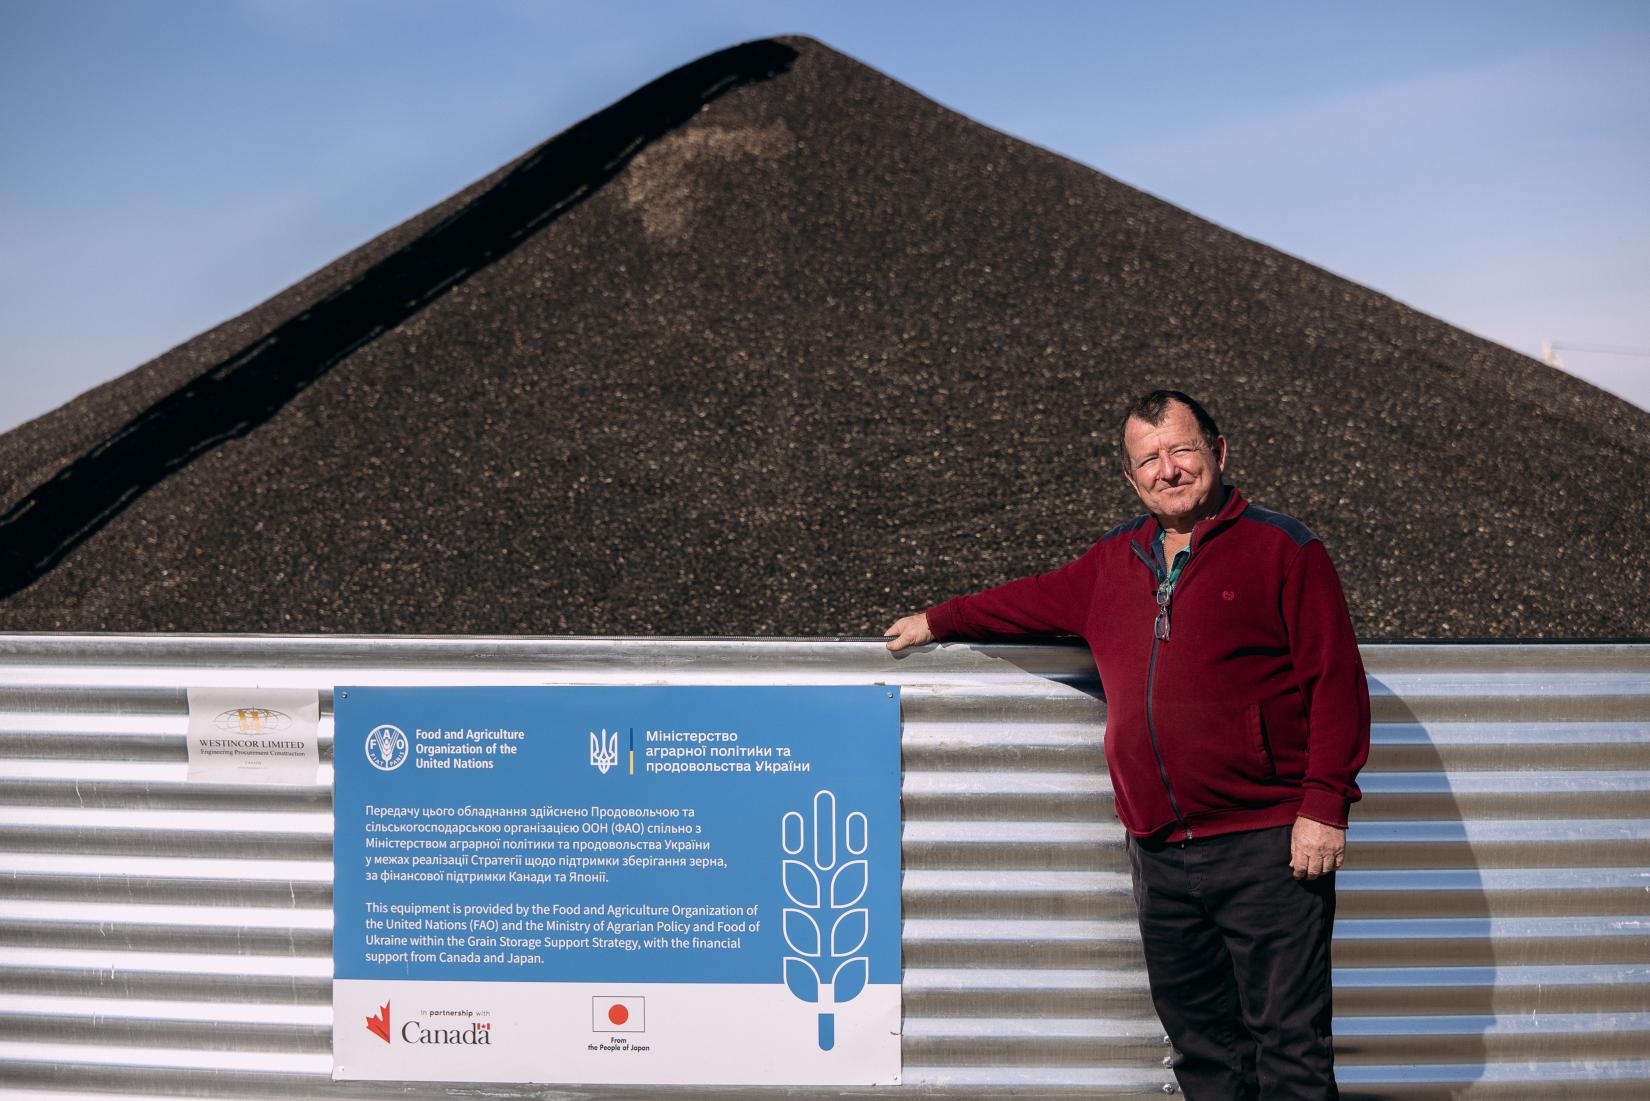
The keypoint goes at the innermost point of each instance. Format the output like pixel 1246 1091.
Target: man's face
pixel 1175 472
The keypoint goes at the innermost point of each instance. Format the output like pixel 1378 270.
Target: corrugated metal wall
pixel 159 937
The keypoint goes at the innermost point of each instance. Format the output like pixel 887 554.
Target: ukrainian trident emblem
pixel 604 750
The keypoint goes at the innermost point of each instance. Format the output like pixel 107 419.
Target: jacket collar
pixel 1203 530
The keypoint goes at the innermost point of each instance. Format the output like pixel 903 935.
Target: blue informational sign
pixel 591 884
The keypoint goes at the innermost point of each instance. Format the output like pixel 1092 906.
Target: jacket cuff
pixel 1320 806
pixel 942 620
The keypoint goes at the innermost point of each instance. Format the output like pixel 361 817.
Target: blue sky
pixel 165 165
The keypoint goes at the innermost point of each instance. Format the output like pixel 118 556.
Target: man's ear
pixel 1220 454
pixel 1134 487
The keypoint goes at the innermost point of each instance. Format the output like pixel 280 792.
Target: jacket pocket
pixel 1281 722
pixel 1254 724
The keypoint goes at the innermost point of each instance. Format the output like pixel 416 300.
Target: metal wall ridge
pixel 166 938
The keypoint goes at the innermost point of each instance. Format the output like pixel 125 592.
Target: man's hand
pixel 910 631
pixel 1314 848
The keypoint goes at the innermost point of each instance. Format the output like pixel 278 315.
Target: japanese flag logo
pixel 618 1014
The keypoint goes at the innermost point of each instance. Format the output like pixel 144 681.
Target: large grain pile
pixel 778 346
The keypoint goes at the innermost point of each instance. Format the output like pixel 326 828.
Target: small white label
pixel 254 735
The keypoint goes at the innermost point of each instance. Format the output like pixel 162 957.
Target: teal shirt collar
pixel 1180 559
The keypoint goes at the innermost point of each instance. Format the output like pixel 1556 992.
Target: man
pixel 1237 719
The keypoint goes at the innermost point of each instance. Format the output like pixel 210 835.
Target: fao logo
pixel 387 747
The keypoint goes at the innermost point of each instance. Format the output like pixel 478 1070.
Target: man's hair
pixel 1153 407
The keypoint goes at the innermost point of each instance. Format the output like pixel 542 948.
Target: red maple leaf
pixel 379 1026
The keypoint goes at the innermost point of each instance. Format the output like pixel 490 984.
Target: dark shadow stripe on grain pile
pixel 244 391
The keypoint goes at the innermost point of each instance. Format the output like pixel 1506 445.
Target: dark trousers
pixel 1237 951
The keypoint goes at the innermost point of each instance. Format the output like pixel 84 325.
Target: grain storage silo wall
pixel 166 938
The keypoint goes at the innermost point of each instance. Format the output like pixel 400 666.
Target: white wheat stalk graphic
pixel 825 925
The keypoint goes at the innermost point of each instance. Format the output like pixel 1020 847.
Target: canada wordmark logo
pixel 472 1034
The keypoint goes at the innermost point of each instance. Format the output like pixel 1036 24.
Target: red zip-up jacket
pixel 1255 709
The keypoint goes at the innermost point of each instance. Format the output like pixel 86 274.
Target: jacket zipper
pixel 1151 683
